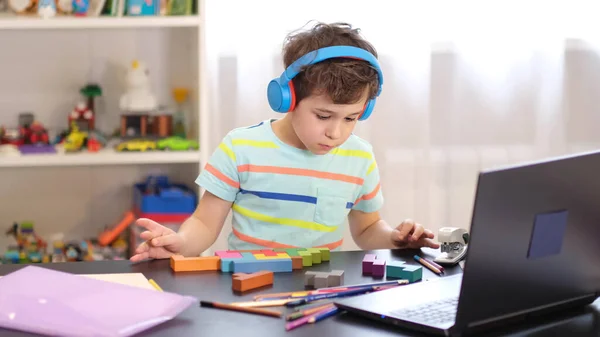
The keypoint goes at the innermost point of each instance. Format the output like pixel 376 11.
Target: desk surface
pixel 216 286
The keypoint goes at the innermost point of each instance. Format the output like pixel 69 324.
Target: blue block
pixel 227 264
pixel 158 195
pixel 252 266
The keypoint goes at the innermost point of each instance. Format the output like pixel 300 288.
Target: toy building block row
pixel 242 282
pixel 249 261
pixel 398 269
pixel 320 279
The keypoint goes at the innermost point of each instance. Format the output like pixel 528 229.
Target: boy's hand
pixel 160 242
pixel 410 234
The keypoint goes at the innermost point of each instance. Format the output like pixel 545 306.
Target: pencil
pixel 216 305
pixel 307 312
pixel 427 264
pixel 315 317
pixel 155 285
pixel 431 262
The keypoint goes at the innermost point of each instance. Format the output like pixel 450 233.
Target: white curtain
pixel 468 85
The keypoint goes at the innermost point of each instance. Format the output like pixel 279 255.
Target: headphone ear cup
pixel 368 110
pixel 279 96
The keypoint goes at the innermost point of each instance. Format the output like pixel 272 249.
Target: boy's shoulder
pixel 254 132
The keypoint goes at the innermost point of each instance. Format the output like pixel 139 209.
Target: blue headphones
pixel 280 91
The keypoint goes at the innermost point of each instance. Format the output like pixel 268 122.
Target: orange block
pixel 296 262
pixel 200 263
pixel 242 281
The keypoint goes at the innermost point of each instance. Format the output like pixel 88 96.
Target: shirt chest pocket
pixel 332 206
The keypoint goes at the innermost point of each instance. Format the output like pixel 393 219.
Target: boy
pixel 292 182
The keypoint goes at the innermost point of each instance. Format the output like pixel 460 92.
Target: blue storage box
pixel 158 195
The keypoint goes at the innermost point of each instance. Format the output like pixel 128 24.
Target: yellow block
pixel 278 257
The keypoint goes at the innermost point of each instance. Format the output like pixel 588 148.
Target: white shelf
pixel 103 157
pixel 102 22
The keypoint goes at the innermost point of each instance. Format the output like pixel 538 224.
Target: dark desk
pixel 216 286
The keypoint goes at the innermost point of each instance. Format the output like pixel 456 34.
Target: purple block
pixel 367 263
pixel 32 149
pixel 378 268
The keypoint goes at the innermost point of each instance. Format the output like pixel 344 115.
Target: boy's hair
pixel 343 79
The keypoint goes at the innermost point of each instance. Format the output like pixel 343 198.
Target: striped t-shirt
pixel 285 197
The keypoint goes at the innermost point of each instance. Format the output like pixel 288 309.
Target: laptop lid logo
pixel 547 235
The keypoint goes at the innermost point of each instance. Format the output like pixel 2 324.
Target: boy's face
pixel 322 125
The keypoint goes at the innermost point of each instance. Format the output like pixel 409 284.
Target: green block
pixel 316 255
pixel 324 254
pixel 404 271
pixel 281 250
pixel 292 252
pixel 307 259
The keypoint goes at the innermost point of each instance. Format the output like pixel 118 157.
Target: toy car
pixel 137 145
pixel 177 144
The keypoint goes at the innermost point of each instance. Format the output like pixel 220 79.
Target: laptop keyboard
pixel 436 312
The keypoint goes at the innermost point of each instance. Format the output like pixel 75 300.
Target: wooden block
pixel 292 251
pixel 228 254
pixel 281 249
pixel 252 266
pixel 296 262
pixel 324 253
pixel 227 264
pixel 242 282
pixel 269 252
pixel 316 255
pixel 378 268
pixel 271 257
pixel 200 263
pixel 248 256
pixel 309 277
pixel 367 263
pixel 394 269
pixel 336 278
pixel 321 280
pixel 307 260
pixel 259 251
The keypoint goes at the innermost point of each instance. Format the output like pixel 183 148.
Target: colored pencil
pixel 311 298
pixel 434 264
pixel 155 285
pixel 264 312
pixel 427 264
pixel 318 316
pixel 259 304
pixel 307 312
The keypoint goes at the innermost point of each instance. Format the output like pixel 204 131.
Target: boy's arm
pixel 221 180
pixel 201 229
pixel 369 231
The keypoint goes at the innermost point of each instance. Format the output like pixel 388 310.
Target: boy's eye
pixel 322 117
pixel 349 119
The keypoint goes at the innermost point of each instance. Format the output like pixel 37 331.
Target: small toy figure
pixel 80 7
pixel 46 8
pixel 83 116
pixel 138 96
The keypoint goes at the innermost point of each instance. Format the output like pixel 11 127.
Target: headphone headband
pixel 280 92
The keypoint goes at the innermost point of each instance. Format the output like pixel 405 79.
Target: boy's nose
pixel 333 132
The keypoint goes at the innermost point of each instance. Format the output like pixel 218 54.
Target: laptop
pixel 534 248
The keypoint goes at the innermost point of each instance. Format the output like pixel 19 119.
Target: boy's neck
pixel 284 130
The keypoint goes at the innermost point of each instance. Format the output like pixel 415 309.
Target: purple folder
pixel 44 301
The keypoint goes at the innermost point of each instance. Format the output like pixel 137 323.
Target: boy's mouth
pixel 325 147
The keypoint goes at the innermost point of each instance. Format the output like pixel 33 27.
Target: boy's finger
pixel 164 240
pixel 405 228
pixel 418 232
pixel 150 225
pixel 143 247
pixel 139 257
pixel 147 235
pixel 431 244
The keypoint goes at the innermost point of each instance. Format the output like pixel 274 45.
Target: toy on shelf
pixel 138 96
pixel 90 92
pixel 80 7
pixel 83 117
pixel 136 145
pixel 46 8
pixel 180 95
pixel 176 143
pixel 30 248
pixel 241 282
pixel 160 200
pixel 232 261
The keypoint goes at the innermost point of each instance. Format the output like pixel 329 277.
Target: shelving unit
pixel 45 62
